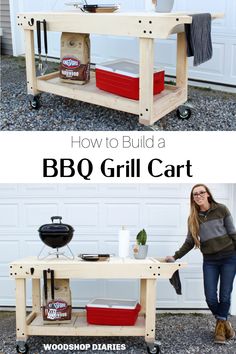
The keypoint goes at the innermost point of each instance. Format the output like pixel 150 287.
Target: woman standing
pixel 211 228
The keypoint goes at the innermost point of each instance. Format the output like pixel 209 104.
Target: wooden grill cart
pixel 148 271
pixel 146 26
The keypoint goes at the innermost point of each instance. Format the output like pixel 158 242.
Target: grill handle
pixel 56 217
pixel 45 286
pixel 38 26
pixel 45 36
pixel 52 284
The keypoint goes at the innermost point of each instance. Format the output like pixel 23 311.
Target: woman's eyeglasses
pixel 200 194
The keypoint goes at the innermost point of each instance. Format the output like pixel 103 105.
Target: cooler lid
pixel 123 67
pixel 113 303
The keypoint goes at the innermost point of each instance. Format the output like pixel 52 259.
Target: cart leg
pixel 36 296
pixel 21 334
pixel 150 310
pixel 184 111
pixel 182 63
pixel 143 296
pixel 30 63
pixel 146 62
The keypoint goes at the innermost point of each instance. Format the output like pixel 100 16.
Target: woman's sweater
pixel 217 234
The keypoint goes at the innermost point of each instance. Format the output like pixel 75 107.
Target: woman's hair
pixel 193 219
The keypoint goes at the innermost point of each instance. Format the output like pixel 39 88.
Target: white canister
pixel 164 5
pixel 124 242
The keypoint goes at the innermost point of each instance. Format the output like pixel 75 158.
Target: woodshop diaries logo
pixel 84 347
pixel 70 63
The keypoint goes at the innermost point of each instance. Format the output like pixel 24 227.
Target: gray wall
pixel 5 25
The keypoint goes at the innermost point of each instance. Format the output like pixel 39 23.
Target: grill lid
pixel 56 234
pixel 56 227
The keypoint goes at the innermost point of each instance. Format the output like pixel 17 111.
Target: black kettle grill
pixel 56 235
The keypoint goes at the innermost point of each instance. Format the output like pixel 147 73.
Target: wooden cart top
pixel 138 24
pixel 115 267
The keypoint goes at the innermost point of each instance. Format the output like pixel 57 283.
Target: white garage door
pixel 96 213
pixel 221 69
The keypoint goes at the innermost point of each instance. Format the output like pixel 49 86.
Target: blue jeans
pixel 215 271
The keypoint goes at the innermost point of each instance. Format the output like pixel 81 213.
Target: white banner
pixel 117 157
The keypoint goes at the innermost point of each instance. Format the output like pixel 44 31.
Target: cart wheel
pixel 155 350
pixel 35 103
pixel 23 348
pixel 184 112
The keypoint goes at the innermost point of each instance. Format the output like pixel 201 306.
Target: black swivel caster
pixel 184 112
pixel 34 103
pixel 155 349
pixel 22 348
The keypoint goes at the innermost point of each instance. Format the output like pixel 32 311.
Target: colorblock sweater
pixel 217 234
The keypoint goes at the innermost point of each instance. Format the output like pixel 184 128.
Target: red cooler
pixel 121 77
pixel 112 312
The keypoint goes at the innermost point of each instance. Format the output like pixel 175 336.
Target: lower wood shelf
pixel 79 327
pixel 87 93
pixel 163 103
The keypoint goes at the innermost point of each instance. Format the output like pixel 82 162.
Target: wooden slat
pixel 143 24
pixel 182 62
pixel 150 310
pixel 166 102
pixel 31 317
pixel 80 327
pixel 36 295
pixel 30 62
pixel 146 79
pixel 21 310
pixel 115 268
pixel 87 93
pixel 143 288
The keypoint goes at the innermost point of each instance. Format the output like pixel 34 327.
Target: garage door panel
pixel 71 190
pixel 7 291
pixel 116 190
pixel 161 249
pixel 112 246
pixel 195 257
pixel 9 215
pixel 215 66
pixel 82 214
pixel 123 289
pixel 7 190
pixel 39 190
pixel 32 247
pixel 101 53
pixel 162 215
pixel 165 53
pixel 166 294
pixel 161 190
pixel 193 290
pixel 119 214
pixel 233 65
pixel 37 214
pixel 84 246
pixel 83 291
pixel 5 246
pixel 201 6
pixel 4 269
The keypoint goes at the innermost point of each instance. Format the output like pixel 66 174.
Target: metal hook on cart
pixel 31 22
